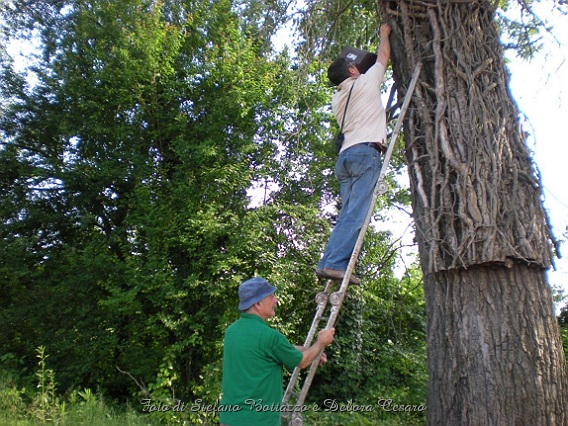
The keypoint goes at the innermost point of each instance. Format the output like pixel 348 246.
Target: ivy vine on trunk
pixel 494 350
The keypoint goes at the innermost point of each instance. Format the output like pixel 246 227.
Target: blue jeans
pixel 357 169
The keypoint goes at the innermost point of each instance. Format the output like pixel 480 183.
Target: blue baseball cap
pixel 252 291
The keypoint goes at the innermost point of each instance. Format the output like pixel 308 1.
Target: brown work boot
pixel 334 274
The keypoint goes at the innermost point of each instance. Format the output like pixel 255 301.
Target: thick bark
pixel 482 232
pixel 494 348
pixel 477 197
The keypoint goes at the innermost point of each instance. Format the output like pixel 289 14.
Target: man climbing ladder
pixel 357 106
pixel 294 413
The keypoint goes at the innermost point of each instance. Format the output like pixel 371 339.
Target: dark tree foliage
pixel 126 167
pixel 155 155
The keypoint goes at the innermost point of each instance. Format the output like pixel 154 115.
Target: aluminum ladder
pixel 292 412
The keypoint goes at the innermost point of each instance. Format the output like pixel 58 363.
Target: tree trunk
pixel 494 349
pixel 494 352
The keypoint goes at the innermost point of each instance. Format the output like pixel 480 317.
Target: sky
pixel 540 88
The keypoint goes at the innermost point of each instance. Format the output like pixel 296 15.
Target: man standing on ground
pixel 359 163
pixel 253 357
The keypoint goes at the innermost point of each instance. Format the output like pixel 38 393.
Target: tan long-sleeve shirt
pixel 366 118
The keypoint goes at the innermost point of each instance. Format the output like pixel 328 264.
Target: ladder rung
pixel 293 394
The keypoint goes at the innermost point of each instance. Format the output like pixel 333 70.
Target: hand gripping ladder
pixel 293 412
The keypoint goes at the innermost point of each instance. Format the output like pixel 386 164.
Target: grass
pixel 23 407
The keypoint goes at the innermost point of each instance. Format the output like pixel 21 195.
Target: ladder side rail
pixel 319 313
pixel 322 304
pixel 290 390
pixel 315 363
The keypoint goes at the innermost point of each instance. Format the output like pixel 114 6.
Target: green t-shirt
pixel 253 356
